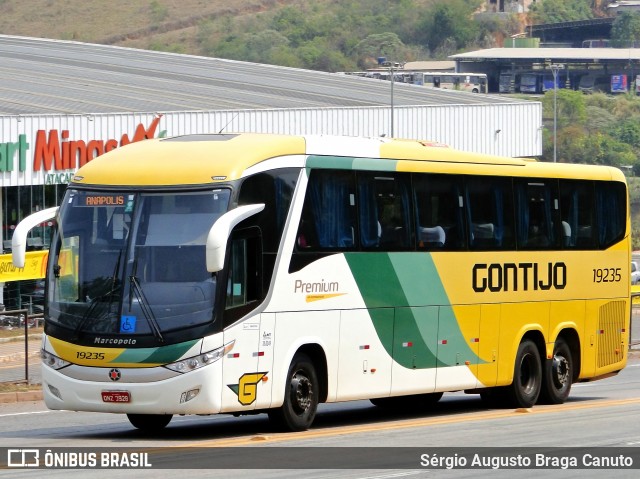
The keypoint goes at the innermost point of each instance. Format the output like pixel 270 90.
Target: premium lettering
pixel 500 277
pixel 319 287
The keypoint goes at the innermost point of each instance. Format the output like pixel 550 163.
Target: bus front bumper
pixel 195 392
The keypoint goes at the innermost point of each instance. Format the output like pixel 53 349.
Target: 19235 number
pixel 89 355
pixel 607 275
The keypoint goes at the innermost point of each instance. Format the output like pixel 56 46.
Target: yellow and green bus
pixel 246 273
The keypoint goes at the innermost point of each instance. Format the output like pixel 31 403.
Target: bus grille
pixel 611 333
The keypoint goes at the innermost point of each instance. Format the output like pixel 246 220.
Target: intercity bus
pixel 471 82
pixel 247 273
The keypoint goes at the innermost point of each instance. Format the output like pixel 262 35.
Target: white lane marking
pixel 391 475
pixel 26 413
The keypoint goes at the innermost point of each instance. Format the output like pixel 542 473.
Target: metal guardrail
pixel 15 354
pixel 635 305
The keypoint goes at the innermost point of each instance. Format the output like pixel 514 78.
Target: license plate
pixel 116 396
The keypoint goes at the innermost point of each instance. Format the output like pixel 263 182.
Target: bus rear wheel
pixel 527 376
pixel 301 397
pixel 149 422
pixel 558 374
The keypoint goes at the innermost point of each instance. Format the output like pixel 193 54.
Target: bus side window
pixel 384 210
pixel 577 212
pixel 329 212
pixel 489 209
pixel 328 220
pixel 611 212
pixel 537 209
pixel 439 218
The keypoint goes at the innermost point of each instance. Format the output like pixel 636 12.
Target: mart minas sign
pixel 55 151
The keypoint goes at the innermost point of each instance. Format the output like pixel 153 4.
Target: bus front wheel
pixel 301 397
pixel 149 422
pixel 527 376
pixel 558 372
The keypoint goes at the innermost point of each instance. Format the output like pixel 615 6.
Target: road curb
pixel 21 396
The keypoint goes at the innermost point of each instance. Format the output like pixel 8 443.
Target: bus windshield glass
pixel 133 263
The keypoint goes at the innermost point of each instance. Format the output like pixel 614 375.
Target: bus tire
pixel 149 422
pixel 527 376
pixel 301 397
pixel 494 397
pixel 557 374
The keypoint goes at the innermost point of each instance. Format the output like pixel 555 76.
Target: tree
pixel 601 149
pixel 625 31
pixel 555 11
pixel 570 104
pixel 449 23
pixel 379 44
pixel 628 132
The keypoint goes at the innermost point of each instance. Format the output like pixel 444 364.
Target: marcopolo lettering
pixel 501 277
pixel 114 341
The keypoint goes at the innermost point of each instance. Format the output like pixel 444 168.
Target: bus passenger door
pixel 265 358
pixel 242 379
pixel 241 376
pixel 414 350
pixel 458 340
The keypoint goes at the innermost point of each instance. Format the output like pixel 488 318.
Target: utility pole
pixel 382 61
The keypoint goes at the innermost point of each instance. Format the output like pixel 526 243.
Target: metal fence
pixel 20 336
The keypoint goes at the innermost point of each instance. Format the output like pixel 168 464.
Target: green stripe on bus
pixel 351 163
pixel 161 355
pixel 409 283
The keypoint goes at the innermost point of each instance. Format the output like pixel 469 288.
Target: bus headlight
pixel 52 360
pixel 204 359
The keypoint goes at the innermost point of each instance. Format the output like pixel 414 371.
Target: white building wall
pixel 502 129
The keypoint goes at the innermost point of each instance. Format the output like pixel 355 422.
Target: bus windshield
pixel 133 263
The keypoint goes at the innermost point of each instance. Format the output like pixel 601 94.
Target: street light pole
pixel 382 61
pixel 392 82
pixel 554 69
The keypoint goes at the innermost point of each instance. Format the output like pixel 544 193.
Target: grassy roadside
pixel 19 387
pixel 18 333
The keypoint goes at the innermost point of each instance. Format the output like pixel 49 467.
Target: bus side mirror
pixel 220 231
pixel 19 239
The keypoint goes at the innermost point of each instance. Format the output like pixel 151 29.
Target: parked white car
pixel 635 273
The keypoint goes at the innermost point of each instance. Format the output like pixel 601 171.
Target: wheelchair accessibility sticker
pixel 127 324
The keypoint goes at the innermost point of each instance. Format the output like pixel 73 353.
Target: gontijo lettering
pixel 518 277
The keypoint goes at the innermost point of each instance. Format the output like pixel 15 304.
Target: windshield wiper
pixel 115 287
pixel 92 306
pixel 146 310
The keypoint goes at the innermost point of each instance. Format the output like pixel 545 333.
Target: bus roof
pixel 215 158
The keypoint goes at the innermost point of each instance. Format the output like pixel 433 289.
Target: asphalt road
pixel 602 414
